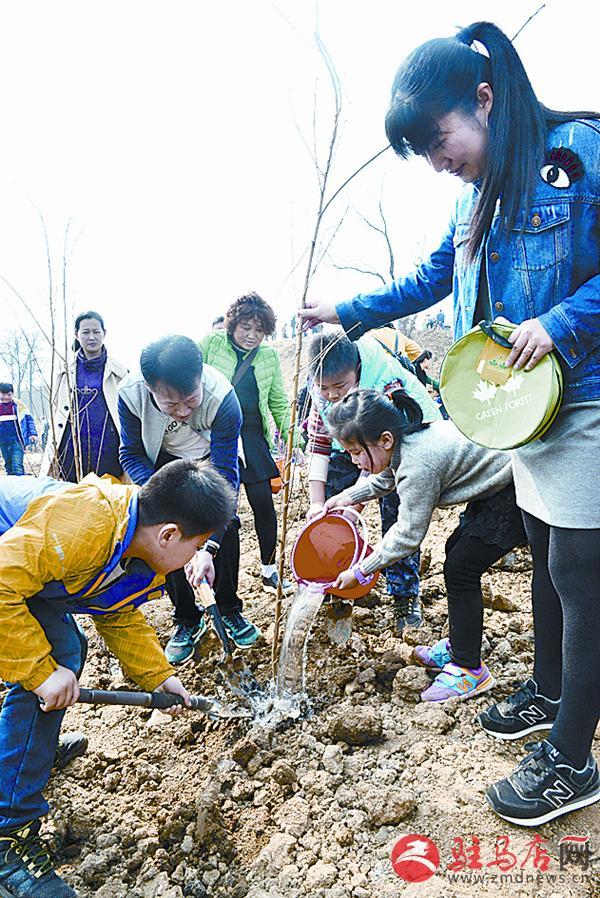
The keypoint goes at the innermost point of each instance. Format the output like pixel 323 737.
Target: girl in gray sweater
pixel 431 466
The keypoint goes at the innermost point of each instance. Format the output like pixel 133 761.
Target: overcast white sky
pixel 166 131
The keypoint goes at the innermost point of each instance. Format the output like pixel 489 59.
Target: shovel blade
pixel 238 676
pixel 338 622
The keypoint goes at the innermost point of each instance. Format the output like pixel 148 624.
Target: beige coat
pixel 114 372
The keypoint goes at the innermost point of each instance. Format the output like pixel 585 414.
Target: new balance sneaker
pixel 544 786
pixel 433 657
pixel 242 631
pixel 520 714
pixel 270 585
pixel 407 612
pixel 26 870
pixel 182 644
pixel 458 682
pixel 70 746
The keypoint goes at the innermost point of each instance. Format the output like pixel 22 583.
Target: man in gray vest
pixel 177 407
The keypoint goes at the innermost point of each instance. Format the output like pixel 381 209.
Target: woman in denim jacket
pixel 524 244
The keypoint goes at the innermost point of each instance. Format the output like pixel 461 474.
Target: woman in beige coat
pixel 84 409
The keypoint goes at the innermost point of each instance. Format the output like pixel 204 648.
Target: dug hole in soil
pixel 171 808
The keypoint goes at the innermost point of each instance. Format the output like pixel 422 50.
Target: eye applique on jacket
pixel 561 167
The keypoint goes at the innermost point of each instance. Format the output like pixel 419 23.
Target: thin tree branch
pixel 532 16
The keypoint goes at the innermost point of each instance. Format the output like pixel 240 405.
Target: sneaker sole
pixel 551 815
pixel 483 687
pixel 244 645
pixel 273 591
pixel 512 736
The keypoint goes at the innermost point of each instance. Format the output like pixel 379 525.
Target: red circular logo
pixel 415 858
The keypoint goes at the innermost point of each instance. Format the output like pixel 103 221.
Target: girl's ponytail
pixel 410 410
pixel 363 415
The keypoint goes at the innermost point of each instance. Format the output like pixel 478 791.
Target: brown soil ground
pixel 186 807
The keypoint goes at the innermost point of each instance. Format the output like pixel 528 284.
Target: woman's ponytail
pixel 517 132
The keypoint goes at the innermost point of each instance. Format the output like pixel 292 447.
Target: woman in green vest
pixel 253 368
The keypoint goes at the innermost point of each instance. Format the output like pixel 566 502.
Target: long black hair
pixel 442 76
pixel 363 415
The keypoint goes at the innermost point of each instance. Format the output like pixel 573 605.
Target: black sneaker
pixel 520 714
pixel 269 584
pixel 544 786
pixel 70 746
pixel 407 612
pixel 26 870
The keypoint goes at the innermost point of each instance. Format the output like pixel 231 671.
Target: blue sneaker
pixel 433 657
pixel 240 630
pixel 26 870
pixel 182 644
pixel 407 612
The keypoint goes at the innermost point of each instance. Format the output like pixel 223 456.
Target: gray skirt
pixel 557 477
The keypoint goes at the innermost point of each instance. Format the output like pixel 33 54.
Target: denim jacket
pixel 547 267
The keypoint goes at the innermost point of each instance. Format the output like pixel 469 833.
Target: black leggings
pixel 260 497
pixel 566 613
pixel 467 558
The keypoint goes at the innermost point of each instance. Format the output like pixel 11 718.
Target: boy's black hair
pixel 332 354
pixel 6 388
pixel 188 493
pixel 363 415
pixel 442 76
pixel 175 361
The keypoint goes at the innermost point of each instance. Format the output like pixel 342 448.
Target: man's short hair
pixel 175 361
pixel 6 388
pixel 332 354
pixel 188 493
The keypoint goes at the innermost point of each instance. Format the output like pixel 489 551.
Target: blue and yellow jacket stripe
pixel 69 545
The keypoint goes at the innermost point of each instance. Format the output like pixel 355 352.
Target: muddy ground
pixel 313 808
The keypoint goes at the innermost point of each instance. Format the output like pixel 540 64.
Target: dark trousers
pixel 566 613
pixel 467 559
pixel 227 568
pixel 28 735
pixel 12 453
pixel 260 497
pixel 402 578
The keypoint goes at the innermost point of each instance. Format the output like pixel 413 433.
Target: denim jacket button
pixel 498 306
pixel 494 257
pixel 536 220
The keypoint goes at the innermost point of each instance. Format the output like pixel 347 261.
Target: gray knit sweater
pixel 432 468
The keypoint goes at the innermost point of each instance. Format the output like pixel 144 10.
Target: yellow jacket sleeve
pixel 130 637
pixel 412 350
pixel 46 545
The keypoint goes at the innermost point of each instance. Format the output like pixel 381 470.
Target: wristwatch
pixel 211 547
pixel 362 578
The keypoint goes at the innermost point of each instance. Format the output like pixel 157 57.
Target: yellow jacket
pixel 397 342
pixel 70 536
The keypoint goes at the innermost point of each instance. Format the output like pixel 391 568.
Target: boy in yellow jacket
pixel 100 548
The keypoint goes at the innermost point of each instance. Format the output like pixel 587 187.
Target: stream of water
pixel 286 698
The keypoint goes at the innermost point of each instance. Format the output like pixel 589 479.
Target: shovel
pixel 213 709
pixel 234 671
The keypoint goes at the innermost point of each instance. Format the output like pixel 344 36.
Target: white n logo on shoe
pixel 558 793
pixel 531 714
